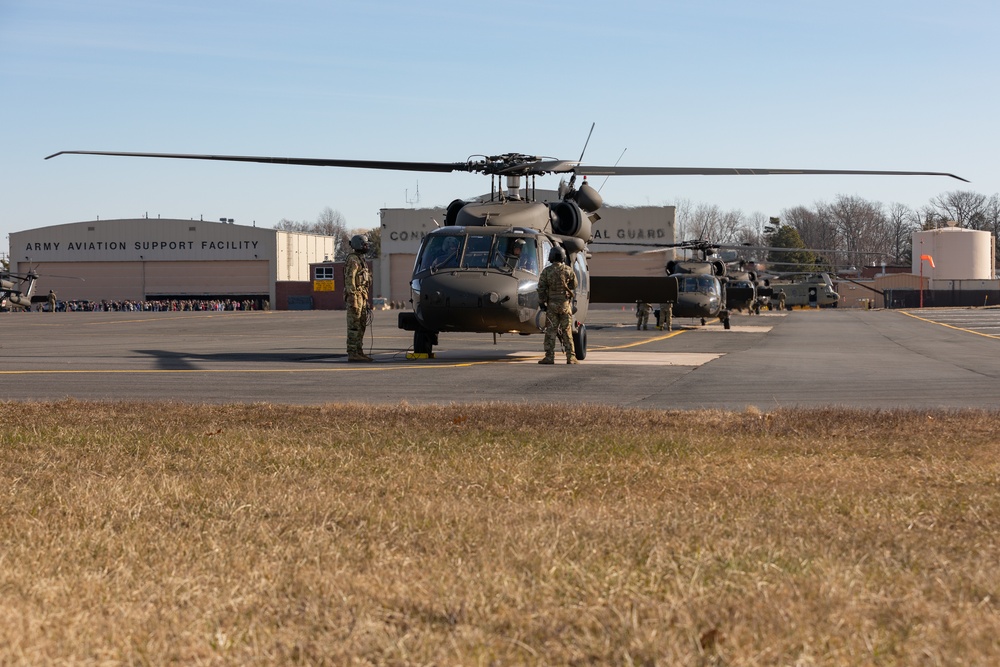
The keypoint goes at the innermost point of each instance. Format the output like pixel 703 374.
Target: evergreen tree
pixel 795 260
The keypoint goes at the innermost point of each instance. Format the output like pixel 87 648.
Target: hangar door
pixel 400 272
pixel 236 278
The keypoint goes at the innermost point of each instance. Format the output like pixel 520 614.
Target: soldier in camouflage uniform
pixel 357 284
pixel 665 316
pixel 642 311
pixel 555 295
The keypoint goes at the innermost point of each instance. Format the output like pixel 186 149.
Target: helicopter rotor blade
pixel 590 170
pixel 309 162
pixel 510 164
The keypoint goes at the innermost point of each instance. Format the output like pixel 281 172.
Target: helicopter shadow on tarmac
pixel 169 360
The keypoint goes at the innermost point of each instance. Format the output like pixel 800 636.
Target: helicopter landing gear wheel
pixel 703 321
pixel 424 341
pixel 580 342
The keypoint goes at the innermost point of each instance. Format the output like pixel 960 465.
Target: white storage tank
pixel 958 254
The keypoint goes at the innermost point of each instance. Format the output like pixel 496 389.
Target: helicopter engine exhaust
pixel 568 219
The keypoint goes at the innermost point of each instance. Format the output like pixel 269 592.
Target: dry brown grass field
pixel 497 535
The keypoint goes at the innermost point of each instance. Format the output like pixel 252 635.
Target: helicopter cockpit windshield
pixel 440 252
pixel 478 251
pixel 702 283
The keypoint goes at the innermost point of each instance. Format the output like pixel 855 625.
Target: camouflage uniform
pixel 357 283
pixel 52 301
pixel 555 291
pixel 642 310
pixel 665 318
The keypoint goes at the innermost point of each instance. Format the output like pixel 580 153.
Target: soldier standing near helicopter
pixel 357 283
pixel 642 311
pixel 556 286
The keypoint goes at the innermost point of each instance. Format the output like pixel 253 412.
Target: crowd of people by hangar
pixel 158 305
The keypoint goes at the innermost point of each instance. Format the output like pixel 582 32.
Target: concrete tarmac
pixel 944 358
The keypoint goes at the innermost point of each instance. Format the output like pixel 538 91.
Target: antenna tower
pixel 416 196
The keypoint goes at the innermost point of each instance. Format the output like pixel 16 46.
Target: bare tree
pixel 330 223
pixel 682 214
pixel 967 208
pixel 814 229
pixel 711 223
pixel 753 233
pixel 293 225
pixel 902 221
pixel 861 227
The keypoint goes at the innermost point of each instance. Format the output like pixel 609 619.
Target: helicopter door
pixel 812 296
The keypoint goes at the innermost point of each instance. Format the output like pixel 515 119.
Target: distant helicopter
pixel 815 289
pixel 701 283
pixel 746 288
pixel 20 294
pixel 483 288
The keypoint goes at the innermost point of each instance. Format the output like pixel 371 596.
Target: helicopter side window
pixel 529 258
pixel 515 252
pixel 546 248
pixel 708 285
pixel 477 252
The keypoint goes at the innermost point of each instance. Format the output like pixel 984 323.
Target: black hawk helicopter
pixel 20 294
pixel 488 285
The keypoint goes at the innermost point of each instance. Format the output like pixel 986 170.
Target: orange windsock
pixel 929 259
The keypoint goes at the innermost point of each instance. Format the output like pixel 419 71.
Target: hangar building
pixel 147 259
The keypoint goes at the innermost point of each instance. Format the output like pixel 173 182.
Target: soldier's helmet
pixel 359 243
pixel 557 254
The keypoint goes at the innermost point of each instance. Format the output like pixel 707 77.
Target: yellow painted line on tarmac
pixel 639 342
pixel 950 326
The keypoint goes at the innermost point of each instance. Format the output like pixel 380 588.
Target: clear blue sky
pixel 874 84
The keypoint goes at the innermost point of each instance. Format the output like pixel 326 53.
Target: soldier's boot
pixel 358 355
pixel 638 326
pixel 571 359
pixel 547 360
pixel 645 327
